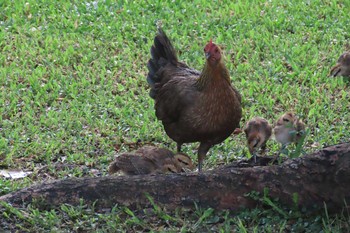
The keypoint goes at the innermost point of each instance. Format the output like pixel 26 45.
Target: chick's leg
pixel 179 144
pixel 283 147
pixel 254 154
pixel 263 148
pixel 202 152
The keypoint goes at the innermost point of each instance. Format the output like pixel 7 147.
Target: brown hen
pixel 193 106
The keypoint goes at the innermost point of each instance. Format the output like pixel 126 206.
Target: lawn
pixel 74 94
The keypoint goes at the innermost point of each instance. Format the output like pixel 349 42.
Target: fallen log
pixel 317 178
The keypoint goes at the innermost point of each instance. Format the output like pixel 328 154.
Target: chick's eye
pixel 170 170
pixel 184 162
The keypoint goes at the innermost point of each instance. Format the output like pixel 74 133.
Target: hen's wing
pixel 175 96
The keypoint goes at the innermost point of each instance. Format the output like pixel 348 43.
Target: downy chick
pixel 159 155
pixel 132 164
pixel 183 161
pixel 288 129
pixel 257 131
pixel 149 160
pixel 342 68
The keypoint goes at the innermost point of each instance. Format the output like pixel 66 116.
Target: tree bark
pixel 318 178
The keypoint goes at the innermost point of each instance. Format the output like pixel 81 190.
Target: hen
pixel 150 160
pixel 193 106
pixel 257 131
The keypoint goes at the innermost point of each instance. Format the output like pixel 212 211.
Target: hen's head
pixel 212 53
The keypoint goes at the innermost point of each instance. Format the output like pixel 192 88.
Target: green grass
pixel 73 94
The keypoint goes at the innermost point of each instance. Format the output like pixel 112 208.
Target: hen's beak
pixel 207 55
pixel 335 70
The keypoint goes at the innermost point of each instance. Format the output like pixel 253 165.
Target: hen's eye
pixel 285 119
pixel 216 50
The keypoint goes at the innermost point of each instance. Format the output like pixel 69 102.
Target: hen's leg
pixel 202 152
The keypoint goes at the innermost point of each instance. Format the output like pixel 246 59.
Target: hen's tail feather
pixel 163 47
pixel 162 53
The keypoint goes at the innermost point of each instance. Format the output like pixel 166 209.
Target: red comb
pixel 210 45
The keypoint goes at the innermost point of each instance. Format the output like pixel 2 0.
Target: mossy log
pixel 319 178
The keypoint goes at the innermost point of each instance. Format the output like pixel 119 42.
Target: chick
pixel 156 154
pixel 342 68
pixel 150 160
pixel 257 131
pixel 288 129
pixel 160 154
pixel 299 127
pixel 183 161
pixel 132 164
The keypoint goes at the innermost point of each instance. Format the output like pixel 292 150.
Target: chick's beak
pixel 207 55
pixel 237 131
pixel 335 70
